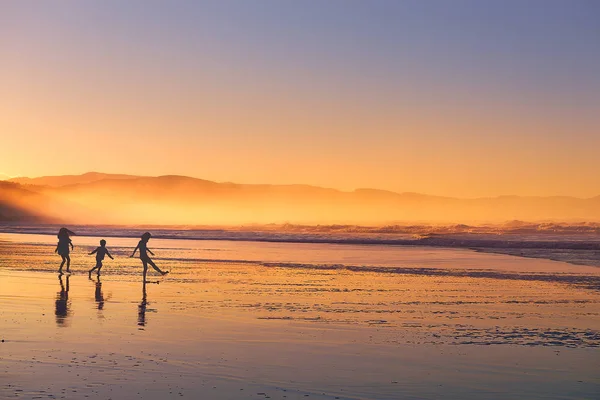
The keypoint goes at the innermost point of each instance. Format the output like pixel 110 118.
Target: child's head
pixel 146 236
pixel 64 233
pixel 103 243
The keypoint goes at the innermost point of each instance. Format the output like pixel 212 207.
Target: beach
pixel 246 319
pixel 335 200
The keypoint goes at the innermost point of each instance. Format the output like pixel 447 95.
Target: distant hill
pixel 63 180
pixel 114 199
pixel 9 210
pixel 22 205
pixel 30 204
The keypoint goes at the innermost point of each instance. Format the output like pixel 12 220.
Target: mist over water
pixel 179 200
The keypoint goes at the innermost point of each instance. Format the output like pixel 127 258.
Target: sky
pixel 455 98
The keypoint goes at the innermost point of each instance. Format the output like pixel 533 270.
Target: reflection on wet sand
pixel 62 302
pixel 142 308
pixel 98 295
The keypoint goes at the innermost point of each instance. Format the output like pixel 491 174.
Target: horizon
pixel 9 179
pixel 97 198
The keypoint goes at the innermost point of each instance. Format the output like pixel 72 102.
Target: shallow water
pixel 256 320
pixel 576 244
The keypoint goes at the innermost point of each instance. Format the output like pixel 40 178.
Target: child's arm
pixel 56 249
pixel 71 243
pixel 134 250
pixel 93 251
pixel 149 251
pixel 108 254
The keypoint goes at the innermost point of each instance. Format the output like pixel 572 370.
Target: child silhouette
pixel 100 253
pixel 62 248
pixel 144 250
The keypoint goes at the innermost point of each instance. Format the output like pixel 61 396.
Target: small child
pixel 100 253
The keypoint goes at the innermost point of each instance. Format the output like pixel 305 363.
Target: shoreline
pixel 575 252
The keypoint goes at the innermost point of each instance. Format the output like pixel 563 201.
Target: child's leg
pixel 97 266
pixel 62 263
pixel 145 264
pixel 155 267
pixel 68 262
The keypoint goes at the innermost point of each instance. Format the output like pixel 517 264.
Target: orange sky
pixel 90 89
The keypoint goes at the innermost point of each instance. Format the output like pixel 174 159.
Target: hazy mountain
pixel 63 180
pixel 20 204
pixel 10 196
pixel 104 198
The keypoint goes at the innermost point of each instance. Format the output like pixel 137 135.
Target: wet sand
pixel 256 320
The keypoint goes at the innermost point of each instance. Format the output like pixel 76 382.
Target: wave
pixel 544 235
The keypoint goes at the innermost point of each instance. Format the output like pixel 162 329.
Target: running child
pixel 100 253
pixel 62 248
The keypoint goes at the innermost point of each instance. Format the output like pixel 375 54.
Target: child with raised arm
pixel 144 250
pixel 62 248
pixel 100 253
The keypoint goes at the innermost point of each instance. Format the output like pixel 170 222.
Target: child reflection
pixel 142 308
pixel 62 302
pixel 98 295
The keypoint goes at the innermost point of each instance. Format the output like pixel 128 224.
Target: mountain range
pixel 128 199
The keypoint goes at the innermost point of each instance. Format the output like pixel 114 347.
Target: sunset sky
pixel 458 98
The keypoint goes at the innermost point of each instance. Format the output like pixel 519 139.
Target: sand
pixel 289 321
